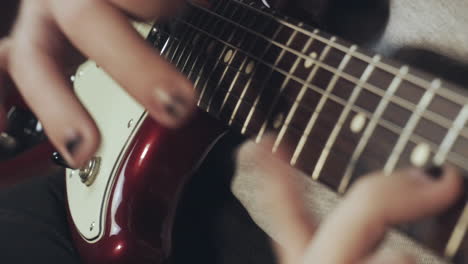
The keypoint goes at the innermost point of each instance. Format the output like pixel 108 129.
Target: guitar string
pixel 183 68
pixel 463 132
pixel 457 158
pixel 444 92
pixel 428 114
pixel 190 53
pixel 453 97
pixel 453 157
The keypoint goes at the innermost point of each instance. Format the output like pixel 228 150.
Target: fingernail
pixel 435 172
pixel 175 107
pixel 73 144
pixel 59 160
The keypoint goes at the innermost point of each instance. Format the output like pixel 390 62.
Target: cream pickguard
pixel 117 116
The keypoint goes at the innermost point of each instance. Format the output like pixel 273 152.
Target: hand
pixel 52 37
pixel 352 232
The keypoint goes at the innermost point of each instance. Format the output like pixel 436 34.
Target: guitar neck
pixel 327 101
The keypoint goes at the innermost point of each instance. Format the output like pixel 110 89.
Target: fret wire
pixel 373 123
pixel 410 126
pixel 229 89
pixel 233 81
pixel 201 20
pixel 300 95
pixel 186 62
pixel 172 51
pixel 168 46
pixel 429 115
pixel 237 74
pixel 454 157
pixel 319 107
pixel 344 114
pixel 283 86
pixel 178 46
pixel 446 93
pixel 165 47
pixel 451 136
pixel 337 99
pixel 311 86
pixel 202 93
pixel 176 55
pixel 216 65
pixel 296 63
pixel 241 98
pixel 183 40
pixel 218 85
pixel 190 39
pixel 459 232
pixel 204 67
pixel 189 75
pixel 263 85
pixel 249 82
pixel 192 67
pixel 457 160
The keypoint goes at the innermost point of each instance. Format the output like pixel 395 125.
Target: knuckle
pixel 366 186
pixel 368 191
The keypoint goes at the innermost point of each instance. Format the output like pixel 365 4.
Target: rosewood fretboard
pixel 338 111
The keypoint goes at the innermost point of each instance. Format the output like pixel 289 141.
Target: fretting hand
pixel 352 232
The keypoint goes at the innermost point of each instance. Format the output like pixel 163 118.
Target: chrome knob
pixel 89 172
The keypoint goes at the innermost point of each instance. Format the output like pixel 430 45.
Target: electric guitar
pixel 338 112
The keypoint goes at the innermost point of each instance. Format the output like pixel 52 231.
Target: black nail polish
pixel 176 108
pixel 435 172
pixel 59 160
pixel 74 144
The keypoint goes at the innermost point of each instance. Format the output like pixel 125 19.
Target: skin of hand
pixel 352 232
pixel 52 37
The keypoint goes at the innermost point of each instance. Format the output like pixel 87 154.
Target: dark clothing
pixel 33 224
pixel 211 225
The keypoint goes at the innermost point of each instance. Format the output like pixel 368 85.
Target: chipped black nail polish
pixel 176 108
pixel 435 172
pixel 73 144
pixel 59 160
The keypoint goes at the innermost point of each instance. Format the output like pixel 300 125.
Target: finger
pixel 148 9
pixel 4 48
pixel 387 256
pixel 376 202
pixel 49 94
pixel 131 61
pixel 292 222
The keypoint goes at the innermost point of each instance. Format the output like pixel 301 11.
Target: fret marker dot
pixel 250 67
pixel 358 123
pixel 228 56
pixel 420 155
pixel 310 61
pixel 278 121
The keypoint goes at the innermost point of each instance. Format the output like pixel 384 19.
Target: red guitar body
pixel 146 192
pixel 145 197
